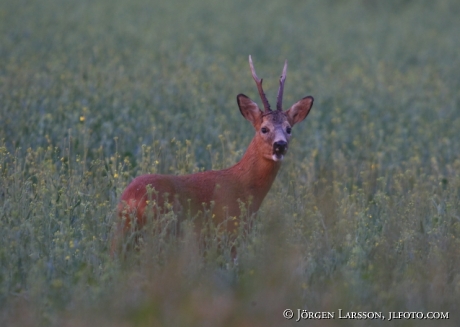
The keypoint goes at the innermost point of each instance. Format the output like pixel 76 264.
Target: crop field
pixel 364 215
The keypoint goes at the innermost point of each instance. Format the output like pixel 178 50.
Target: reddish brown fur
pixel 248 181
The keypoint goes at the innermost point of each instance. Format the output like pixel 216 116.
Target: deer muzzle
pixel 279 149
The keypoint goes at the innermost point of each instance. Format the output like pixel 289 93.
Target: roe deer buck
pixel 248 181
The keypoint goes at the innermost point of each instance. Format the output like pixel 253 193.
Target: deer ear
pixel 299 110
pixel 249 109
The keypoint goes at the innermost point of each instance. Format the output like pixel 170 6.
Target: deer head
pixel 273 127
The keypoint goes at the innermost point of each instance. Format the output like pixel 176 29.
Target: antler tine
pixel 279 98
pixel 259 86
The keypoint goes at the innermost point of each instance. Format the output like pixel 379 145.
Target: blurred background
pixel 363 216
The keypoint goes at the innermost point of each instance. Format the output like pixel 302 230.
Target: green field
pixel 364 215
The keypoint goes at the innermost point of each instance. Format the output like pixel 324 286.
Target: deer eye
pixel 288 130
pixel 264 130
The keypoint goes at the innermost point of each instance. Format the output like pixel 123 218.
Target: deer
pixel 222 191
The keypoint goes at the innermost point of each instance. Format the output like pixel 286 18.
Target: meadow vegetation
pixel 363 216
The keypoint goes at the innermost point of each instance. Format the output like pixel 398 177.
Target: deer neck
pixel 255 172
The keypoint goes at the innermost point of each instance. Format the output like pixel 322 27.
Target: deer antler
pixel 279 98
pixel 259 87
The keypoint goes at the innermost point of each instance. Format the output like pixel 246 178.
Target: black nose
pixel 280 147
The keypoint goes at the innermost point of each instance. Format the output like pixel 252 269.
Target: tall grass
pixel 364 215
